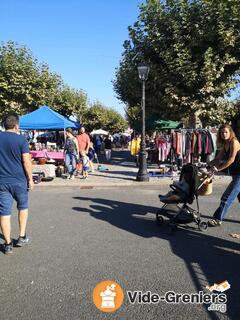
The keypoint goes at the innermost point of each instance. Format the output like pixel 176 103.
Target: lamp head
pixel 143 70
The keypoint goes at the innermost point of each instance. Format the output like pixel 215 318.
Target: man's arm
pixel 88 144
pixel 77 148
pixel 27 165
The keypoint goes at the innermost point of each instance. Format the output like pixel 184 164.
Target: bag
pixel 70 146
pixel 206 189
pixel 59 171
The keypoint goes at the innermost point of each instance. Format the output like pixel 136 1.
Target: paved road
pixel 81 237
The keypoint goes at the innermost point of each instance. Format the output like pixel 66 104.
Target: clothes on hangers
pixel 163 145
pixel 192 144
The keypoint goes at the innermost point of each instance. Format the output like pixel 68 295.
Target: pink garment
pixel 163 151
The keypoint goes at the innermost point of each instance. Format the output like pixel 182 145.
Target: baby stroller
pixel 176 207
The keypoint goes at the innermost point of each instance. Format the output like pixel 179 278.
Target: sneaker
pixel 72 177
pixel 22 241
pixel 214 223
pixel 8 248
pixel 235 235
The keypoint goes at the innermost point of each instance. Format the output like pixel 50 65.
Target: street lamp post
pixel 142 174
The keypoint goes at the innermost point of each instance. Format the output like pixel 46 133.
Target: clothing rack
pixel 166 146
pixel 190 144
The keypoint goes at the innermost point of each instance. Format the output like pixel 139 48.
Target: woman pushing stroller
pixel 227 158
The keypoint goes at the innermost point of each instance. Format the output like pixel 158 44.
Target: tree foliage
pixel 26 84
pixel 98 116
pixel 68 101
pixel 193 49
pixel 134 116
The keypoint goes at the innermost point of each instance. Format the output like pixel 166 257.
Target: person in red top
pixel 83 141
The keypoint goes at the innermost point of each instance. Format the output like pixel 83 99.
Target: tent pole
pixel 64 135
pixel 65 168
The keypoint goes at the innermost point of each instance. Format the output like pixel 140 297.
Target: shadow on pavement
pixel 116 177
pixel 119 157
pixel 208 259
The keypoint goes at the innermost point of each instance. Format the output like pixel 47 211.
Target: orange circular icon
pixel 108 296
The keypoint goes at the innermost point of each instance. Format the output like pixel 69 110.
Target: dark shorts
pixel 8 192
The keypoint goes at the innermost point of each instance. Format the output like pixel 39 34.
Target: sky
pixel 81 40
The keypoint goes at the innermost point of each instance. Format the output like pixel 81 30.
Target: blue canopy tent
pixel 45 118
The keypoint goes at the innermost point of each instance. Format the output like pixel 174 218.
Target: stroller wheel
pixel 159 218
pixel 202 226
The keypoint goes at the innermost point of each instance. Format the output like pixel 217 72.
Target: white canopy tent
pixel 100 132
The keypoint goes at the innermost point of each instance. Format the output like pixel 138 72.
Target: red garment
pixel 207 145
pixel 83 141
pixel 199 143
pixel 194 140
pixel 160 141
pixel 178 145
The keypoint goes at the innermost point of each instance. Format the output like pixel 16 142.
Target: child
pixel 85 165
pixel 91 155
pixel 181 192
pixel 184 188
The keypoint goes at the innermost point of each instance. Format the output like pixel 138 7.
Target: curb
pixel 219 180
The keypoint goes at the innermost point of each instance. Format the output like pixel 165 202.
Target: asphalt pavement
pixel 82 235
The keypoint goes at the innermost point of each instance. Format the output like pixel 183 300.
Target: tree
pixel 69 102
pixel 115 122
pixel 24 83
pixel 98 116
pixel 193 48
pixel 133 115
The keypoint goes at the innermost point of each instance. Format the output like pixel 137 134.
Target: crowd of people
pixel 83 149
pixel 16 171
pixel 76 149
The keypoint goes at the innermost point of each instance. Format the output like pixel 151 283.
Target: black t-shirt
pixel 234 168
pixel 108 144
